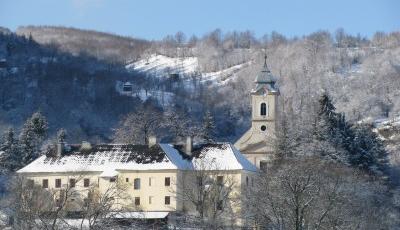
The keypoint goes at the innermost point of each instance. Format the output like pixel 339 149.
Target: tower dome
pixel 265 80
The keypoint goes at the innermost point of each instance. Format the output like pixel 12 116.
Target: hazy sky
pixel 153 19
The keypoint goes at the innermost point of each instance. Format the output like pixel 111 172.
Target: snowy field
pixel 159 65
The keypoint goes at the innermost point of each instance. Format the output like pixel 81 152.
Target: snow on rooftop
pixel 222 156
pixel 139 215
pixel 109 159
pixel 109 173
pixel 118 157
pixel 175 157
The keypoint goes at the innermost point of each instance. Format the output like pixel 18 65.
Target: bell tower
pixel 264 101
pixel 256 144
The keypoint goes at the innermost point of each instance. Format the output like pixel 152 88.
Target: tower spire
pixel 265 60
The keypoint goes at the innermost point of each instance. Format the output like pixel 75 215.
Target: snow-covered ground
pixel 388 130
pixel 159 65
pixel 165 98
pixel 380 123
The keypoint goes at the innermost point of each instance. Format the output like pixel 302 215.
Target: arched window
pixel 263 109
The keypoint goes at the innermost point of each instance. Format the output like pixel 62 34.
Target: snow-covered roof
pixel 109 173
pixel 265 76
pixel 108 159
pixel 265 81
pixel 220 156
pixel 139 215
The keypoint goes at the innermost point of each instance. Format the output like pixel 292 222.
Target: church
pixel 257 143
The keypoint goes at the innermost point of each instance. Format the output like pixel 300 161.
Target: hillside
pixel 105 46
pixel 389 132
pixel 74 92
pixel 214 72
pixel 187 67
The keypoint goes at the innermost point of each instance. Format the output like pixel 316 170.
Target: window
pixel 263 128
pixel 263 109
pixel 220 180
pixel 151 181
pixel 136 183
pixel 58 183
pixel 220 205
pixel 247 181
pixel 150 199
pixel 126 179
pixel 113 179
pixel 137 201
pixel 167 200
pixel 86 182
pixel 30 183
pixel 72 183
pixel 45 183
pixel 167 181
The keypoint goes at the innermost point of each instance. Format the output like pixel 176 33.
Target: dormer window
pixel 263 110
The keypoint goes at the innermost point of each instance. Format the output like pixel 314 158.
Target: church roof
pixel 265 81
pixel 265 76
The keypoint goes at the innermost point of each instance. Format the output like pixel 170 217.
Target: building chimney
pixel 86 145
pixel 152 141
pixel 189 146
pixel 60 149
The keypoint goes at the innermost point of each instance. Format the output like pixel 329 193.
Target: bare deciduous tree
pixel 209 194
pixel 138 126
pixel 309 193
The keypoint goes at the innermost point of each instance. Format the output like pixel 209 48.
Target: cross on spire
pixel 265 61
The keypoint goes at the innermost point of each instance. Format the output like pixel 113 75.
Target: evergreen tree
pixel 369 151
pixel 328 135
pixel 9 147
pixel 208 128
pixel 326 119
pixel 31 137
pixel 355 145
pixel 284 143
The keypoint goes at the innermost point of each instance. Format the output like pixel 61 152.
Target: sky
pixel 154 19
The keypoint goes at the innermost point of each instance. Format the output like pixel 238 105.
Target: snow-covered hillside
pixel 389 131
pixel 160 65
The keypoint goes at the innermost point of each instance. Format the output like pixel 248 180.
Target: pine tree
pixel 355 145
pixel 326 119
pixel 369 151
pixel 9 148
pixel 31 137
pixel 208 128
pixel 284 143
